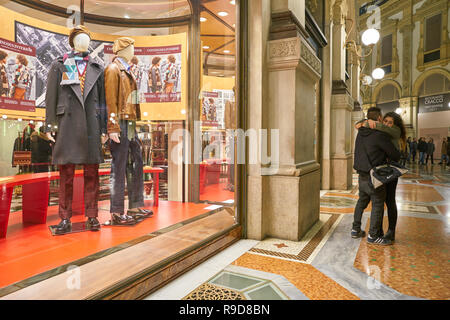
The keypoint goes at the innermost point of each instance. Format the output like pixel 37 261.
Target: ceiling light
pixel 398 111
pixel 205 47
pixel 203 19
pixel 183 111
pixel 4 116
pixel 145 113
pixel 370 36
pixel 233 2
pixel 126 16
pixel 367 80
pixel 223 13
pixel 226 51
pixel 20 119
pixel 378 74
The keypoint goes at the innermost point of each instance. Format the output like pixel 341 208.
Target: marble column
pixel 259 18
pixel 294 71
pixel 341 107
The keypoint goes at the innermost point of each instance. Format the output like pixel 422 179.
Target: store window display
pixel 122 99
pixel 148 113
pixel 75 108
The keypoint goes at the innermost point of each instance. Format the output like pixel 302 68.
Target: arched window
pixel 434 84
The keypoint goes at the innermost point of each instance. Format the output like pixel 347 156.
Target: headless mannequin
pixel 81 44
pixel 127 54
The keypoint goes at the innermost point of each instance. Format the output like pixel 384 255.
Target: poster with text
pixel 157 71
pixel 49 47
pixel 213 107
pixel 210 104
pixel 17 76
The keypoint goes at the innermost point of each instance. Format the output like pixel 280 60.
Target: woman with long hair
pixel 391 119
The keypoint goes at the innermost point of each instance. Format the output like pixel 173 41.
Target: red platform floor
pixel 29 250
pixel 216 193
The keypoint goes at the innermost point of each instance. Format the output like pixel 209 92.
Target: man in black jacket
pixel 372 148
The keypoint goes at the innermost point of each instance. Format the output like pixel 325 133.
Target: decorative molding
pixel 287 53
pixel 339 87
pixel 285 25
pixel 340 11
pixel 309 56
pixel 284 49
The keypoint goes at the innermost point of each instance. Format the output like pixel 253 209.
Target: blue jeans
pixel 126 165
pixel 368 194
pixel 422 157
pixel 444 158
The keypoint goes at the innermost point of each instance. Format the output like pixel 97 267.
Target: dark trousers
pixel 91 186
pixel 126 162
pixel 429 156
pixel 367 194
pixel 391 205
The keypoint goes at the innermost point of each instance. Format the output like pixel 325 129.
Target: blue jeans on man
pixel 422 157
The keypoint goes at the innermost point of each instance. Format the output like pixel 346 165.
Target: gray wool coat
pixel 80 120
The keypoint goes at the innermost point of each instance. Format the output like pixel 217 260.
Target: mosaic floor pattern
pixel 327 264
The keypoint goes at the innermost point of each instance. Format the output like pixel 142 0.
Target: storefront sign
pixel 434 103
pixel 157 71
pixel 17 74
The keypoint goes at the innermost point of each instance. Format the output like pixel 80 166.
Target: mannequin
pixel 75 108
pixel 122 100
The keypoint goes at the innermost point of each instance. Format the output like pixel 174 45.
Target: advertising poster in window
pixel 214 108
pixel 210 106
pixel 17 76
pixel 49 46
pixel 157 71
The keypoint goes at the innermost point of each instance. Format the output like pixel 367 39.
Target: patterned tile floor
pixel 327 264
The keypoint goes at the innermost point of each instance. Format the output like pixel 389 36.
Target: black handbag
pixel 384 173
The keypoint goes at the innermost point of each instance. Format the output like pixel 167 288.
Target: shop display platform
pixel 30 250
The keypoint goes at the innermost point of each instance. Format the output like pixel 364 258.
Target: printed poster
pixel 157 71
pixel 17 76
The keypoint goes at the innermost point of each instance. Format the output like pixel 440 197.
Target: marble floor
pixel 327 264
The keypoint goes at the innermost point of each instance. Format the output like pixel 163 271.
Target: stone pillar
pixel 325 112
pixel 409 107
pixel 259 17
pixel 294 71
pixel 341 107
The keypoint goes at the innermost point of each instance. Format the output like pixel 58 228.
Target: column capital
pixel 292 52
pixel 339 13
